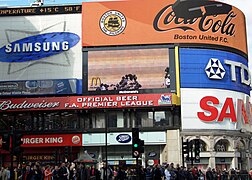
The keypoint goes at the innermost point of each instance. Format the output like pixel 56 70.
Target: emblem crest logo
pixel 112 23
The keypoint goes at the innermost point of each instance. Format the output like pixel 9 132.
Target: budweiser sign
pixel 86 102
pixel 9 105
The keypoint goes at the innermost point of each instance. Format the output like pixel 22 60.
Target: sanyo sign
pixel 215 109
pixel 230 109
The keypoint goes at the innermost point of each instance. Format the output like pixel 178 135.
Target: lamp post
pixel 106 144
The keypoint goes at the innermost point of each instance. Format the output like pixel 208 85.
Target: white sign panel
pixel 40 47
pixel 215 109
pixel 123 138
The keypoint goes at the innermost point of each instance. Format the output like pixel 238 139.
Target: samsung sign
pixel 201 68
pixel 37 47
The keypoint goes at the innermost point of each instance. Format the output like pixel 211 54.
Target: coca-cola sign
pixel 182 14
pixel 191 22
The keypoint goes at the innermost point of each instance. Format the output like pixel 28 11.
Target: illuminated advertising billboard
pixel 215 109
pixel 86 102
pixel 165 21
pixel 52 140
pixel 205 68
pixel 40 54
pixel 130 71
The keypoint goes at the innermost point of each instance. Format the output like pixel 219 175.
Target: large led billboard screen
pixel 129 71
pixel 208 68
pixel 40 54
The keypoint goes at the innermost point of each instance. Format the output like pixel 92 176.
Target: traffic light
pixel 16 144
pixel 135 143
pixel 6 142
pixel 186 150
pixel 197 150
pixel 141 146
pixel 66 151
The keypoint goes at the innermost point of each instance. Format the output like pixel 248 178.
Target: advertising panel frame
pixel 33 56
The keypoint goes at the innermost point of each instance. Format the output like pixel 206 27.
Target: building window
pixel 52 121
pixel 115 119
pixel 6 121
pixel 221 145
pixel 23 121
pixel 154 119
pixel 98 120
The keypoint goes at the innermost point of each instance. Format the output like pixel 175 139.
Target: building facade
pixel 79 78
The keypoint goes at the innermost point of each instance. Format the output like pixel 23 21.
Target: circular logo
pixel 75 139
pixel 150 162
pixel 112 23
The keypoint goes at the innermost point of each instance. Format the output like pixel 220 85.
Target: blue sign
pixel 41 87
pixel 152 154
pixel 123 138
pixel 205 68
pixel 37 47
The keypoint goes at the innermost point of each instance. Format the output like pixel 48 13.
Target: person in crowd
pixel 167 172
pixel 173 172
pixel 106 171
pixel 181 173
pixel 157 172
pixel 48 173
pixel 63 172
pixel 36 173
pixel 55 173
pixel 201 175
pixel 93 173
pixel 189 174
pixel 148 173
pixel 209 174
pixel 120 174
pixel 3 174
pixel 195 173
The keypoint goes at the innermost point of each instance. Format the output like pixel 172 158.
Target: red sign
pixel 86 102
pixel 228 110
pixel 52 140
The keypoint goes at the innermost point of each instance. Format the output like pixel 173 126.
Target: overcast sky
pixel 243 5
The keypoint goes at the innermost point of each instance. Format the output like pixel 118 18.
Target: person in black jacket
pixel 63 172
pixel 209 174
pixel 56 173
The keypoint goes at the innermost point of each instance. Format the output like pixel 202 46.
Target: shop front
pixel 117 151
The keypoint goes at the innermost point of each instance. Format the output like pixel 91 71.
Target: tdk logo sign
pixel 123 138
pixel 37 47
pixel 215 70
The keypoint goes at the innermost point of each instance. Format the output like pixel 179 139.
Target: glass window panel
pixel 115 119
pixel 52 121
pixel 6 121
pixel 163 118
pixel 23 121
pixel 98 120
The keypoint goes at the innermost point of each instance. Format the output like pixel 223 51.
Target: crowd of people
pixel 127 82
pixel 81 171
